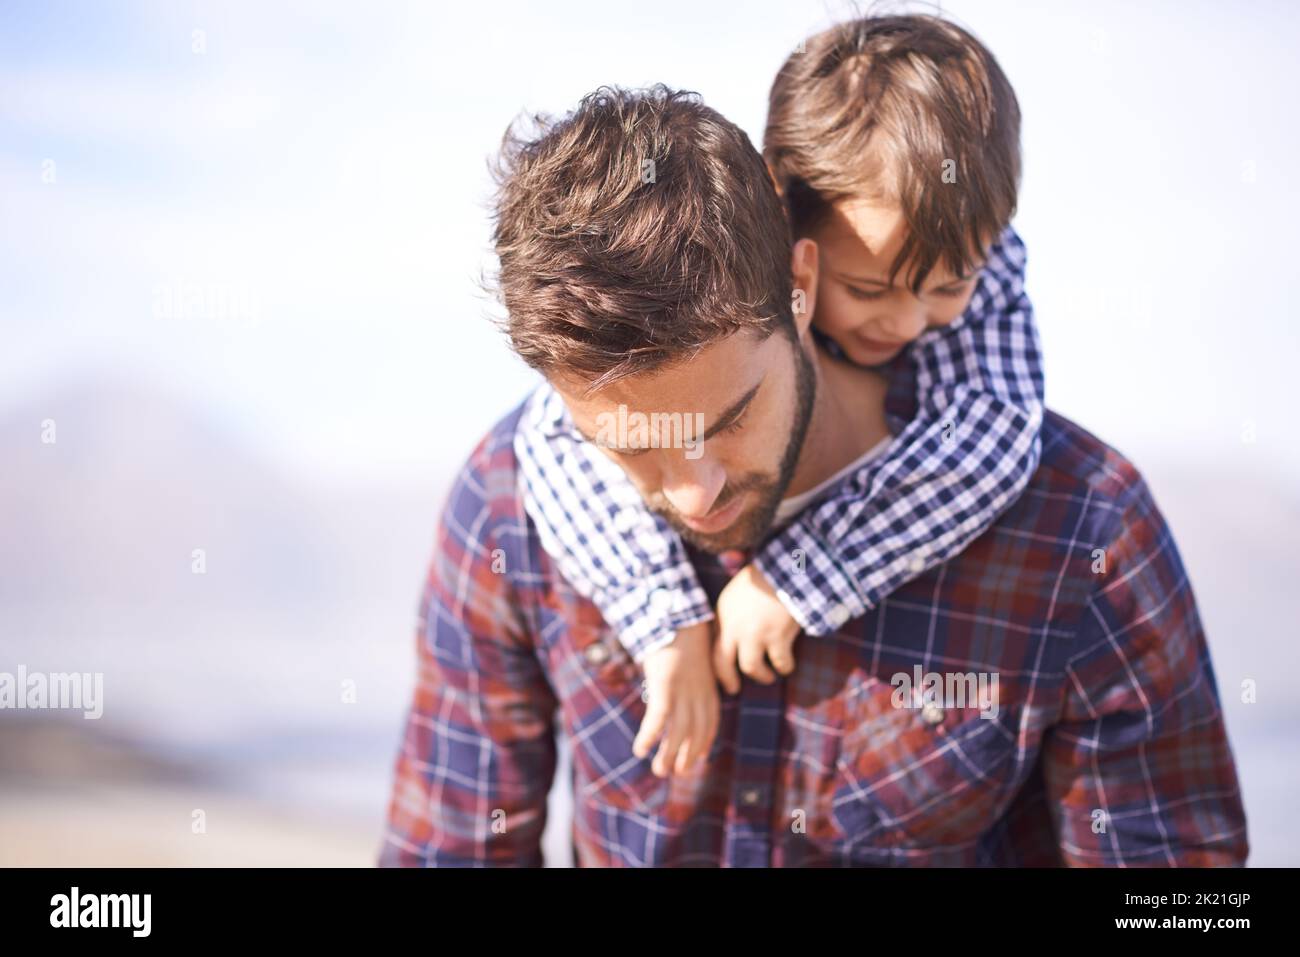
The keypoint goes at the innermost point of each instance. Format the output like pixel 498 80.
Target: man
pixel 1102 742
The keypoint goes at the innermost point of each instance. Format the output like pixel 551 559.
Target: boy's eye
pixel 857 293
pixel 956 289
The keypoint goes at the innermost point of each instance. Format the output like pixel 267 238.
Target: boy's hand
pixel 752 623
pixel 683 696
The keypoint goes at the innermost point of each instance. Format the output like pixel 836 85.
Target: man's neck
pixel 848 419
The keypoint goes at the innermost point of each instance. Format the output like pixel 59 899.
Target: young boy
pixel 895 144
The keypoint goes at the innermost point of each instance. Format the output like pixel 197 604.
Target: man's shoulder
pixel 488 479
pixel 494 452
pixel 1084 477
pixel 1075 457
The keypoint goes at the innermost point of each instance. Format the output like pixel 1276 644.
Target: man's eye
pixel 863 294
pixel 626 453
pixel 734 426
pixel 608 446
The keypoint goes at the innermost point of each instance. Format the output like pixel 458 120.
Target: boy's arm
pixel 605 541
pixel 1138 768
pixel 966 456
pixel 478 756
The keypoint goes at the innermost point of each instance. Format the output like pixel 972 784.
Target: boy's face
pixel 871 320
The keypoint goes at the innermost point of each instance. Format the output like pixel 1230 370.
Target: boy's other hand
pixel 753 628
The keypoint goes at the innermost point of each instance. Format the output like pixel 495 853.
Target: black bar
pixel 332 906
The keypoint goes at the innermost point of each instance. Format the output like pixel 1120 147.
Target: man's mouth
pixel 716 520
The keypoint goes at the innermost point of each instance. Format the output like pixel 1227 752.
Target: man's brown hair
pixel 880 108
pixel 634 231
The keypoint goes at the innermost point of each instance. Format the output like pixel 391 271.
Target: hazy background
pixel 316 173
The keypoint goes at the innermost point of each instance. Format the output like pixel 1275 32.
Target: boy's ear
pixel 804 264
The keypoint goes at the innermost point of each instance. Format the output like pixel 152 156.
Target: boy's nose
pixel 907 322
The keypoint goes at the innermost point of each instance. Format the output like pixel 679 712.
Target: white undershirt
pixel 790 507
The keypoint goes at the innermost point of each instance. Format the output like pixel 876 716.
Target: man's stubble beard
pixel 749 528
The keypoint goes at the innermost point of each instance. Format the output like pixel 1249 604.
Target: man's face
pixel 754 400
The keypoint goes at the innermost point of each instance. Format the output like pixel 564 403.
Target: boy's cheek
pixel 837 315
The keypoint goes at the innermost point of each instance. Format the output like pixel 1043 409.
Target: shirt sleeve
pixel 968 453
pixel 605 541
pixel 478 755
pixel 1138 769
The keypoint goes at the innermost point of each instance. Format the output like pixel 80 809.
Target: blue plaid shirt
pixel 959 463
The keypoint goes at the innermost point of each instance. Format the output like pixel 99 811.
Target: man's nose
pixel 691 486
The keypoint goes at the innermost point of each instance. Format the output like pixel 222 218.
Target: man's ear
pixel 804 262
pixel 772 176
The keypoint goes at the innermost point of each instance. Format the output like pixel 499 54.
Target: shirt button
pixel 932 714
pixel 597 654
pixel 750 796
pixel 918 564
pixel 839 616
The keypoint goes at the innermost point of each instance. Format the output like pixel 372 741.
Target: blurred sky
pixel 328 161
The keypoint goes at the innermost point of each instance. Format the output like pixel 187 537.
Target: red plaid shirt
pixel 1108 746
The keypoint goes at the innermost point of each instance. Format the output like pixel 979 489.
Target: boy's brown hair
pixel 880 108
pixel 636 230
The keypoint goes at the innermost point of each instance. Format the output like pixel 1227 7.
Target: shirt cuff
pixel 648 616
pixel 817 593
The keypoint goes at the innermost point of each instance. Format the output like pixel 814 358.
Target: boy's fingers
pixel 708 721
pixel 696 745
pixel 652 726
pixel 724 665
pixel 686 756
pixel 781 654
pixel 668 748
pixel 753 662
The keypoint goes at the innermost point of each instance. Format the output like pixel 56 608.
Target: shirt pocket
pixel 922 777
pixel 606 710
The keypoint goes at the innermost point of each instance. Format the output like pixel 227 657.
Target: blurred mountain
pixel 136 480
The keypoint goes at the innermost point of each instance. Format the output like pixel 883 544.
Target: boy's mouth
pixel 877 346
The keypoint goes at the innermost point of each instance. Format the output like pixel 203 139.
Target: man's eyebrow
pixel 724 420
